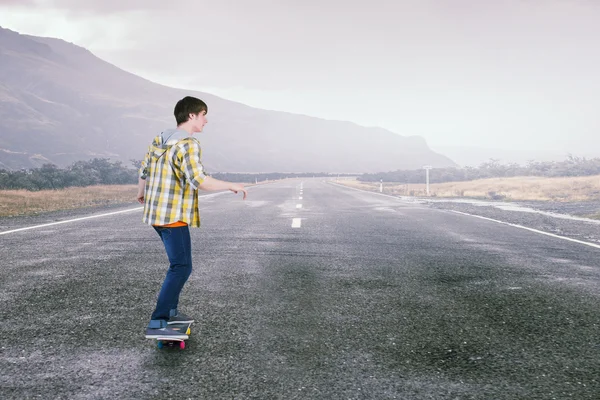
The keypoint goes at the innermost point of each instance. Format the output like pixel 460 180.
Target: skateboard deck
pixel 169 341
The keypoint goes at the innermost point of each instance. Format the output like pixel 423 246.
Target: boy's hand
pixel 236 187
pixel 141 190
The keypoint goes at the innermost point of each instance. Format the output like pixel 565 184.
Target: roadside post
pixel 427 168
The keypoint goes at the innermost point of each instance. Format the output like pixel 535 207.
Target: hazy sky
pixel 509 74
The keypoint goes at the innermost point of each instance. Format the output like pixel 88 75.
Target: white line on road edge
pixel 72 220
pixel 296 222
pixel 530 229
pixel 368 191
pixel 298 205
pixel 93 216
pixel 478 216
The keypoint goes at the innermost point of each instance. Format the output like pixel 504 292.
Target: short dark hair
pixel 186 106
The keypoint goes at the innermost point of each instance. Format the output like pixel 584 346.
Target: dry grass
pixel 23 202
pixel 518 188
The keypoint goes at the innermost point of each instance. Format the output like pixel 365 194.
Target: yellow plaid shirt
pixel 173 171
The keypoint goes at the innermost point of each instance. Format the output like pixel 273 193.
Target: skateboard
pixel 169 341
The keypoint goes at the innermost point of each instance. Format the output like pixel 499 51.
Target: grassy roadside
pixel 571 189
pixel 23 202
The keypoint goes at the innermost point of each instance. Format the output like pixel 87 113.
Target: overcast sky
pixel 508 74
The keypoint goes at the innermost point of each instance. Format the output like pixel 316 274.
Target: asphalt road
pixel 370 298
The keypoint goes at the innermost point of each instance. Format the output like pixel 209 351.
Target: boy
pixel 169 179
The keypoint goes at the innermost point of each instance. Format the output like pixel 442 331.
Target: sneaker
pixel 180 319
pixel 154 333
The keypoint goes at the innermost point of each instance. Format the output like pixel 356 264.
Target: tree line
pixel 268 176
pixel 572 166
pixel 101 171
pixel 98 171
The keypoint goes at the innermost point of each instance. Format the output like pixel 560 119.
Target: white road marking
pixel 404 199
pixel 300 198
pixel 71 220
pixel 298 205
pixel 93 216
pixel 478 216
pixel 296 222
pixel 530 229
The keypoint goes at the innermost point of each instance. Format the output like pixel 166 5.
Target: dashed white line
pixel 298 205
pixel 300 198
pixel 296 222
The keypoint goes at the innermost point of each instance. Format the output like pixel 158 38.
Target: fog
pixel 514 80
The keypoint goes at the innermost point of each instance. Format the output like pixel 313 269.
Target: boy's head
pixel 192 112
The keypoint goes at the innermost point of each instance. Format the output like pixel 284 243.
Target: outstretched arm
pixel 212 184
pixel 194 171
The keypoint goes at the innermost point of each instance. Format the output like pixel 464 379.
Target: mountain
pixel 59 103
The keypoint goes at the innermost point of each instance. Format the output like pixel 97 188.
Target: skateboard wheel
pixel 182 345
pixel 160 345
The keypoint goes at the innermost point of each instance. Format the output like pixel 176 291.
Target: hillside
pixel 60 103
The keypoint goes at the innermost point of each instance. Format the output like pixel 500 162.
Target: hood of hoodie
pixel 166 140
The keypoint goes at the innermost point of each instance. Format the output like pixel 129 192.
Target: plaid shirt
pixel 173 171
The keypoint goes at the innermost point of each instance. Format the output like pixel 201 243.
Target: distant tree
pixel 572 166
pixel 136 164
pixel 48 177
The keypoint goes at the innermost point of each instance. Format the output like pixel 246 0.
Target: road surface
pixel 306 290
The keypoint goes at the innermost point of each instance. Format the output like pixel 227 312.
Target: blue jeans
pixel 179 250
